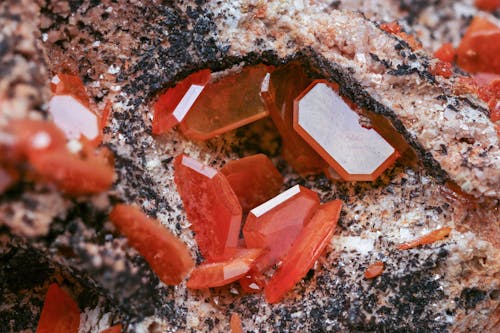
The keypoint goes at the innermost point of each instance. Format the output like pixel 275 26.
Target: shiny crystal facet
pixel 275 224
pixel 228 103
pixel 254 179
pixel 175 103
pixel 70 108
pixel 285 85
pixel 210 204
pixel 324 119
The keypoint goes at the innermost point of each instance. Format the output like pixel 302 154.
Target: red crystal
pixel 60 314
pixel 253 282
pixel 489 5
pixel 442 68
pixel 168 257
pixel 231 102
pixel 287 83
pixel 374 270
pixel 310 243
pixel 71 109
pixel 445 53
pixel 217 274
pixel 210 204
pixel 275 224
pixel 478 50
pixel 329 123
pixel 254 179
pixel 175 103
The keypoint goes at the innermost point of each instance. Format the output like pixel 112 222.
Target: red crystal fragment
pixel 429 238
pixel 275 224
pixel 441 68
pixel 253 282
pixel 445 53
pixel 210 204
pixel 374 270
pixel 287 83
pixel 231 102
pixel 395 29
pixel 489 5
pixel 175 103
pixel 60 314
pixel 478 50
pixel 254 179
pixel 71 109
pixel 309 245
pixel 217 274
pixel 113 329
pixel 168 257
pixel 236 326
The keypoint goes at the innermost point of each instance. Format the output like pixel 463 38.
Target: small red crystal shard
pixel 114 329
pixel 253 282
pixel 287 83
pixel 210 204
pixel 70 108
pixel 429 238
pixel 60 314
pixel 374 270
pixel 275 224
pixel 168 257
pixel 478 50
pixel 330 125
pixel 442 68
pixel 217 274
pixel 445 53
pixel 236 326
pixel 231 102
pixel 254 179
pixel 309 245
pixel 175 103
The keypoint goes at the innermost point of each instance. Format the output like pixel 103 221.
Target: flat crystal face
pixel 332 128
pixel 73 117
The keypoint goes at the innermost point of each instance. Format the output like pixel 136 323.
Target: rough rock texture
pixel 127 52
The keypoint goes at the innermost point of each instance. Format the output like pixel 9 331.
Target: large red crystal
pixel 287 83
pixel 175 103
pixel 60 314
pixel 479 49
pixel 71 109
pixel 254 179
pixel 228 103
pixel 210 204
pixel 275 224
pixel 305 251
pixel 217 274
pixel 168 257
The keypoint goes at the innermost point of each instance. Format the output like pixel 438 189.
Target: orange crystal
pixel 330 125
pixel 254 179
pixel 226 104
pixel 217 274
pixel 168 256
pixel 235 323
pixel 479 49
pixel 210 204
pixel 276 223
pixel 60 314
pixel 287 83
pixel 175 103
pixel 445 53
pixel 374 270
pixel 310 243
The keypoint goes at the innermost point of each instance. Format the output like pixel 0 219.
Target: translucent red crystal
pixel 306 249
pixel 228 103
pixel 253 282
pixel 445 53
pixel 330 125
pixel 210 204
pixel 374 270
pixel 168 257
pixel 478 50
pixel 60 314
pixel 217 274
pixel 442 68
pixel 275 224
pixel 254 179
pixel 489 5
pixel 70 108
pixel 287 83
pixel 175 103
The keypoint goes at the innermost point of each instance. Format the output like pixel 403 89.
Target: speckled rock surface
pixel 129 51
